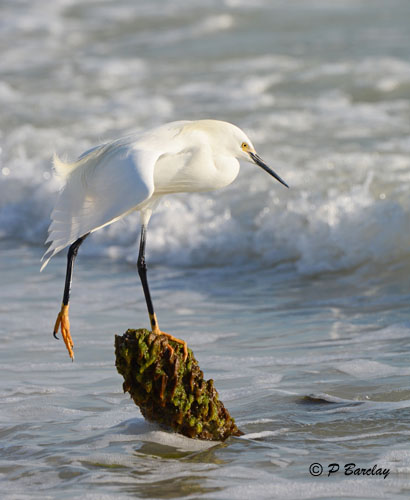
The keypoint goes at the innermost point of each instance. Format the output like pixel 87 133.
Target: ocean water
pixel 296 302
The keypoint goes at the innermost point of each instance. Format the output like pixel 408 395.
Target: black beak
pixel 258 160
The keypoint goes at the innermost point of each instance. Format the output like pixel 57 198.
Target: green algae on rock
pixel 169 390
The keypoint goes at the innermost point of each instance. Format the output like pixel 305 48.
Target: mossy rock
pixel 169 390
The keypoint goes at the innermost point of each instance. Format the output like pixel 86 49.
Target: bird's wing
pixel 101 187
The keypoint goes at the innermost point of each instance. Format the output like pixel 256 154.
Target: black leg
pixel 142 271
pixel 71 255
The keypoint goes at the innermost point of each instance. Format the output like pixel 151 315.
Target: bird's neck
pixel 227 169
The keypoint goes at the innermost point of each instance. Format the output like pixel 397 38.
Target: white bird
pixel 131 174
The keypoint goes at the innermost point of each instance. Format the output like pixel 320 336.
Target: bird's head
pixel 247 152
pixel 230 140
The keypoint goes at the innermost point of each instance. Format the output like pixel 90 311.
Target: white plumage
pixel 114 179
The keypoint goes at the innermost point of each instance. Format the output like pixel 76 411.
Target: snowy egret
pixel 131 174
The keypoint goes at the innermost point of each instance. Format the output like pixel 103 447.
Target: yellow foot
pixel 157 331
pixel 64 323
pixel 171 337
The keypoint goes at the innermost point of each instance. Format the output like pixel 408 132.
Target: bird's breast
pixel 193 171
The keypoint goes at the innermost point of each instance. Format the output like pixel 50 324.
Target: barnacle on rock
pixel 169 390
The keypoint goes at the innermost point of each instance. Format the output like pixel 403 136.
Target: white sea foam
pixel 263 434
pixel 365 368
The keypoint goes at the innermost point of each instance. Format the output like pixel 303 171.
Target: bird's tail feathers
pixel 46 261
pixel 52 250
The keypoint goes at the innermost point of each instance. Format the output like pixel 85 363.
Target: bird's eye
pixel 244 146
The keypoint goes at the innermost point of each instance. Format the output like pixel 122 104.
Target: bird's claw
pixel 63 323
pixel 157 331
